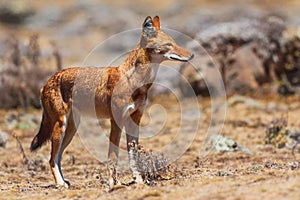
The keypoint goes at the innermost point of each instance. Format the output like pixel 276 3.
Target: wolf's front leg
pixel 132 137
pixel 113 153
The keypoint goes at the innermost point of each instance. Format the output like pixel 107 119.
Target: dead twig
pixel 25 158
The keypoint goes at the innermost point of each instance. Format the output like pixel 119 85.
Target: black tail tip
pixel 34 144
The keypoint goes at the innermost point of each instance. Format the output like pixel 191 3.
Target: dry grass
pixel 24 71
pixel 222 175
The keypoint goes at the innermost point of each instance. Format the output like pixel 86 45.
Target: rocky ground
pixel 255 171
pixel 241 166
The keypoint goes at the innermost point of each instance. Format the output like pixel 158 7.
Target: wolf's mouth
pixel 178 58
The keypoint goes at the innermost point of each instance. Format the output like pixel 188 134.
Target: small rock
pixel 3 139
pixel 247 101
pixel 15 12
pixel 223 144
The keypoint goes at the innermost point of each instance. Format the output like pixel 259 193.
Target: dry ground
pixel 266 173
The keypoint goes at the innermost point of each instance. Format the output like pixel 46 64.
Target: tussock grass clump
pixel 277 132
pixel 153 166
pixel 280 135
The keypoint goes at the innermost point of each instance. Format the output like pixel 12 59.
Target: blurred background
pixel 253 43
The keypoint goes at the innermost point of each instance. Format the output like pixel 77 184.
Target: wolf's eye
pixel 169 44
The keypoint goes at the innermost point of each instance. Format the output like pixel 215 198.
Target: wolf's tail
pixel 43 135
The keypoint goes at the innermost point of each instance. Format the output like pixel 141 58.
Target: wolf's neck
pixel 138 57
pixel 139 63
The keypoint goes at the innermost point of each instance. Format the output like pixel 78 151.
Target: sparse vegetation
pixel 277 132
pixel 23 72
pixel 153 166
pixel 266 34
pixel 280 135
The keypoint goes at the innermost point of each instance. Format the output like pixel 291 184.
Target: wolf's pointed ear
pixel 156 22
pixel 148 28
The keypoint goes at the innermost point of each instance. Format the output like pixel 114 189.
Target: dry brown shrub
pixel 153 166
pixel 23 71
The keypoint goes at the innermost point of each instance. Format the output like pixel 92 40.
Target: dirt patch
pixel 263 172
pixel 266 172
